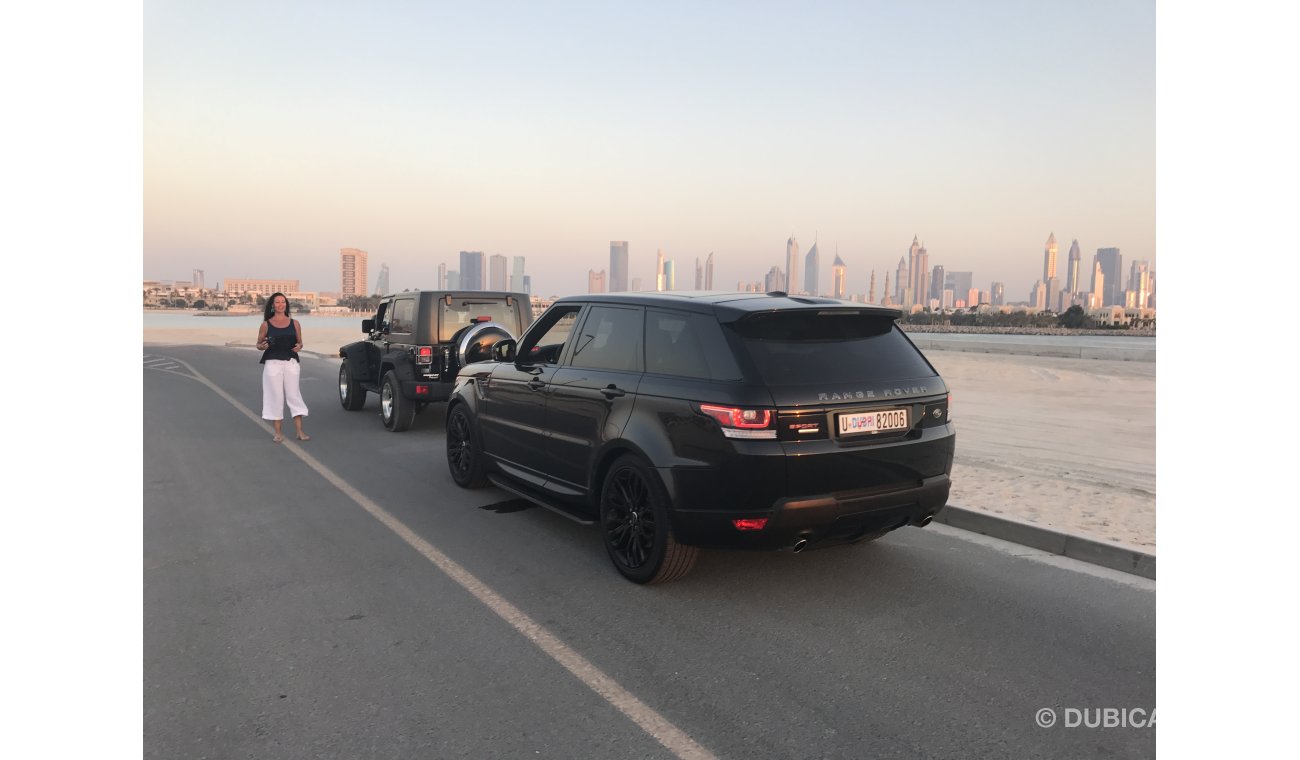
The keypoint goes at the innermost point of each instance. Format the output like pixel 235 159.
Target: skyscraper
pixel 1111 263
pixel 1097 298
pixel 617 266
pixel 670 276
pixel 791 265
pixel 775 279
pixel 442 276
pixel 708 272
pixel 917 273
pixel 659 270
pixel 811 270
pixel 381 285
pixel 1072 283
pixel 517 276
pixel 838 272
pixel 497 272
pixel 885 300
pixel 996 297
pixel 1139 282
pixel 353 272
pixel 936 283
pixel 471 270
pixel 871 293
pixel 1049 259
pixel 959 283
pixel 1038 296
pixel 900 282
pixel 595 281
pixel 699 274
pixel 198 279
pixel 453 280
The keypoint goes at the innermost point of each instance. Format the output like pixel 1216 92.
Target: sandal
pixel 304 437
pixel 277 438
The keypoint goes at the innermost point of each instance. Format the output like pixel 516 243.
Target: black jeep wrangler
pixel 416 343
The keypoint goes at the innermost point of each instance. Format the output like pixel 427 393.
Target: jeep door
pixel 512 406
pixel 592 394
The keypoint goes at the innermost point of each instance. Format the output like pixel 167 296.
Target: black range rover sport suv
pixel 684 421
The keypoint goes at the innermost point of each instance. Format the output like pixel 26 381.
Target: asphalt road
pixel 285 620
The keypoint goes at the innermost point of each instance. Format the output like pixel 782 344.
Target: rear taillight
pixel 753 523
pixel 742 423
pixel 424 355
pixel 937 413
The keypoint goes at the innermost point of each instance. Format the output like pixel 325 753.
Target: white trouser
pixel 280 384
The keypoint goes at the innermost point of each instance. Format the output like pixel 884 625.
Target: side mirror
pixel 504 350
pixel 367 326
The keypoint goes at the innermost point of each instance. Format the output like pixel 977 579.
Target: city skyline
pixel 263 176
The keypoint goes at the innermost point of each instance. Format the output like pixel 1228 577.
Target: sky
pixel 277 133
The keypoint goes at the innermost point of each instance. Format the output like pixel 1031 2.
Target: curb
pixel 1113 556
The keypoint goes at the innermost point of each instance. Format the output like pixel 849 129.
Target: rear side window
pixel 403 316
pixel 610 339
pixel 461 311
pixel 804 347
pixel 687 345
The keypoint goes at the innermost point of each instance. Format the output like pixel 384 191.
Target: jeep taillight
pixel 424 355
pixel 737 422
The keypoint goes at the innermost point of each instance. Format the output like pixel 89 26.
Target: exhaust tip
pixel 924 521
pixel 799 545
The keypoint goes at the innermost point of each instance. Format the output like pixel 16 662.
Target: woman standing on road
pixel 280 338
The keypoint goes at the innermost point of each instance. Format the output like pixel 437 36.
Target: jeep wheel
pixel 464 449
pixel 398 413
pixel 351 395
pixel 634 521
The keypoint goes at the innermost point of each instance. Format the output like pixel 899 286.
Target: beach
pixel 1064 443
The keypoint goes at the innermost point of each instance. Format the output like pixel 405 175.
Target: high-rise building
pixel 996 297
pixel 198 279
pixel 959 283
pixel 708 272
pixel 1097 298
pixel 1139 281
pixel 353 272
pixel 442 276
pixel 670 275
pixel 1054 292
pixel 699 274
pixel 791 266
pixel 1038 296
pixel 517 276
pixel 900 282
pixel 973 297
pixel 472 270
pixel 811 270
pixel 659 270
pixel 1072 272
pixel 497 272
pixel 838 272
pixel 617 266
pixel 1111 263
pixel 596 281
pixel 1049 259
pixel 885 299
pixel 936 282
pixel 917 275
pixel 775 279
pixel 871 292
pixel 381 282
pixel 528 284
pixel 453 280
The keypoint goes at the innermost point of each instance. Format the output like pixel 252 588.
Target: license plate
pixel 873 422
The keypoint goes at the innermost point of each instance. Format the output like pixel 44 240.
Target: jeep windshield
pixel 826 347
pixel 461 311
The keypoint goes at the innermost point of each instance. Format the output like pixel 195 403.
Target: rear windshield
pixel 802 347
pixel 463 310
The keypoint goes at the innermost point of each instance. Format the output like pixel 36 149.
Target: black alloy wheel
pixel 351 395
pixel 464 450
pixel 397 412
pixel 634 521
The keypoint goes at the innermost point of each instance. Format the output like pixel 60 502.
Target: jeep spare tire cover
pixel 476 342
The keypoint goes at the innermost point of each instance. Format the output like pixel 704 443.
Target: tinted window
pixel 798 347
pixel 545 342
pixel 610 339
pixel 687 345
pixel 403 316
pixel 462 311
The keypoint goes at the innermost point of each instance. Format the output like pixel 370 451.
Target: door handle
pixel 536 384
pixel 613 391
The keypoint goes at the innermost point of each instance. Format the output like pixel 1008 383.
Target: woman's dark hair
pixel 270 306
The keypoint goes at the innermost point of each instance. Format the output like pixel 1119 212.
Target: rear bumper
pixel 821 520
pixel 426 390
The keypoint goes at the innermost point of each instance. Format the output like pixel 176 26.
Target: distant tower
pixel 871 294
pixel 497 272
pixel 198 279
pixel 996 297
pixel 595 281
pixel 775 280
pixel 1049 259
pixel 708 272
pixel 670 275
pixel 917 270
pixel 442 276
pixel 528 284
pixel 936 283
pixel 1038 296
pixel 885 300
pixel 900 283
pixel 353 272
pixel 811 265
pixel 617 266
pixel 1111 263
pixel 791 265
pixel 1139 281
pixel 659 270
pixel 699 274
pixel 838 272
pixel 381 286
pixel 471 270
pixel 517 276
pixel 1072 269
pixel 1098 297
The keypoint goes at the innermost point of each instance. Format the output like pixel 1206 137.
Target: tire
pixel 351 395
pixel 465 457
pixel 398 413
pixel 635 525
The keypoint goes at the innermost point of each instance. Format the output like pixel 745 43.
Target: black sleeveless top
pixel 282 340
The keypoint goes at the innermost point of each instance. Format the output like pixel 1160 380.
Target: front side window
pixel 545 343
pixel 610 338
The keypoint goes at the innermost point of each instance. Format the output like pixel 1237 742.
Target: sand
pixel 1068 444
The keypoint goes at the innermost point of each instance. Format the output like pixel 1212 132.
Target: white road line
pixel 657 726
